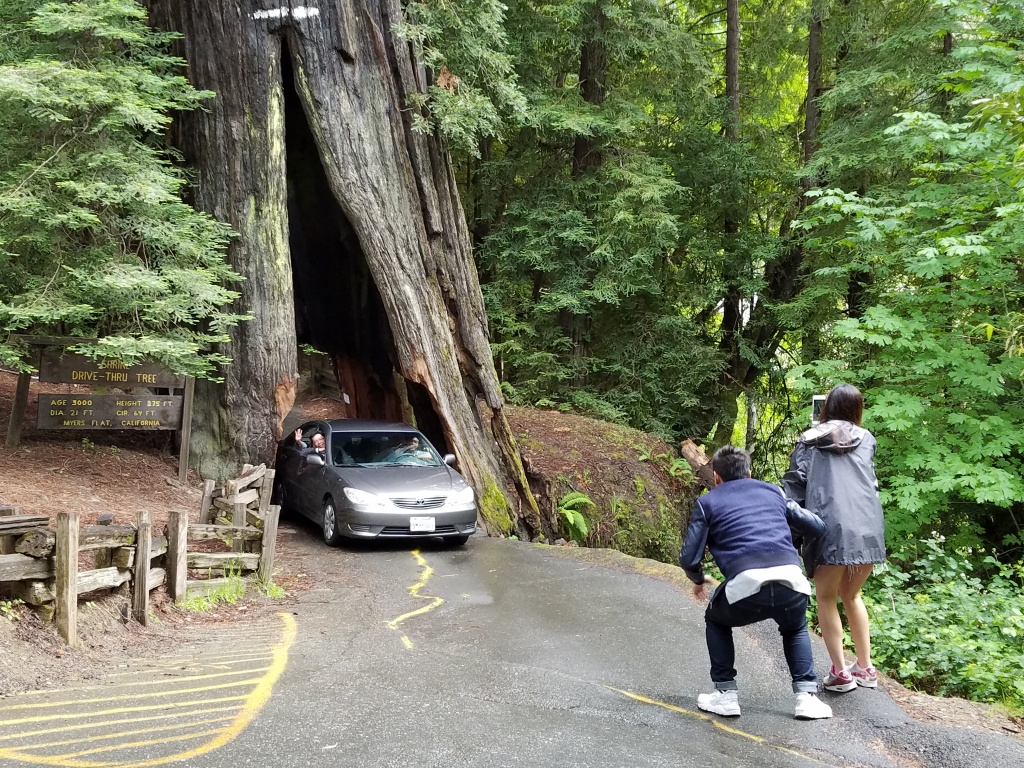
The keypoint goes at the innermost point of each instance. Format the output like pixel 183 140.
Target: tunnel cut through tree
pixel 351 235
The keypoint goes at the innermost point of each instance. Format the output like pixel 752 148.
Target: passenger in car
pixel 318 444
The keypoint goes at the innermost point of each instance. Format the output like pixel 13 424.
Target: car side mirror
pixel 449 459
pixel 315 460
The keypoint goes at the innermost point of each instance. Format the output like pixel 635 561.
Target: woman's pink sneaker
pixel 840 681
pixel 866 677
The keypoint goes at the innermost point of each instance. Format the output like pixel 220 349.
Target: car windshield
pixel 383 449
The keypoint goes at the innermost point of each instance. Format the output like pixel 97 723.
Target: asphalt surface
pixel 496 654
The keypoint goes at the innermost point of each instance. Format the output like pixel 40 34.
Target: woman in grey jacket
pixel 832 474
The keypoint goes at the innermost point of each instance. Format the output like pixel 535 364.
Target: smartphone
pixel 817 403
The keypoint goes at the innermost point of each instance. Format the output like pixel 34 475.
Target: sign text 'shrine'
pixel 71 368
pixel 110 411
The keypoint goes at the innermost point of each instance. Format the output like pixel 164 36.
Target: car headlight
pixel 464 496
pixel 363 498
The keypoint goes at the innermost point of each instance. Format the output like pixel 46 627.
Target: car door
pixel 310 478
pixel 289 462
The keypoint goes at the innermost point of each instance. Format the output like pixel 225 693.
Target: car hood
pixel 392 481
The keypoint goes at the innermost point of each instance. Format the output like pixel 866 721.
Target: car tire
pixel 332 536
pixel 456 541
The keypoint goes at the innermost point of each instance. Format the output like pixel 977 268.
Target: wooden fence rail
pixel 41 566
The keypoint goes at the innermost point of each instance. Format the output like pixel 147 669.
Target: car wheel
pixel 332 537
pixel 456 541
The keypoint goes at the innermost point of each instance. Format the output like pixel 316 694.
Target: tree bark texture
pixel 394 194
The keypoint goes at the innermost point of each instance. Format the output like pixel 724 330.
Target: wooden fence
pixel 41 566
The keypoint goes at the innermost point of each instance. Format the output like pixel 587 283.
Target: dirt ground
pixel 98 472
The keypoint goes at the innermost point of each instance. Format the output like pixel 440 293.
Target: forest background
pixel 687 219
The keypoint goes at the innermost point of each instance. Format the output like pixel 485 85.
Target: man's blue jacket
pixel 746 524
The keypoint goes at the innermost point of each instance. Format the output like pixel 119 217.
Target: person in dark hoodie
pixel 832 473
pixel 746 524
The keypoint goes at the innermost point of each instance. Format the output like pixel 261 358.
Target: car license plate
pixel 421 523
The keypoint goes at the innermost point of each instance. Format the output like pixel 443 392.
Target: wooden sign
pixel 110 411
pixel 71 368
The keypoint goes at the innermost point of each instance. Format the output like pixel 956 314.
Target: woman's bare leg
pixel 827 580
pixel 856 613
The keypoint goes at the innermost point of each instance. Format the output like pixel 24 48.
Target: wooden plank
pixel 140 575
pixel 7 543
pixel 32 592
pixel 186 427
pixel 251 475
pixel 245 497
pixel 40 543
pixel 36 543
pixel 124 557
pixel 102 578
pixel 157 576
pixel 253 519
pixel 177 549
pixel 19 567
pixel 222 532
pixel 205 513
pixel 245 561
pixel 18 410
pixel 66 582
pixel 266 492
pixel 269 544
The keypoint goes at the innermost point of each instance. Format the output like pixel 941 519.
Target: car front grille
pixel 395 530
pixel 419 502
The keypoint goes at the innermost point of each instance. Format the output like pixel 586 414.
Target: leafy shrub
pixel 939 626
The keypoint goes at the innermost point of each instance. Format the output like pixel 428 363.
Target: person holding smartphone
pixel 832 474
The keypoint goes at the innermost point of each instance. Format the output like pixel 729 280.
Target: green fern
pixel 571 507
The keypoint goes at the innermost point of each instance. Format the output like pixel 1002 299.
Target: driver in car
pixel 318 444
pixel 410 447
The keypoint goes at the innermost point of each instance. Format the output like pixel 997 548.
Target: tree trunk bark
pixel 387 212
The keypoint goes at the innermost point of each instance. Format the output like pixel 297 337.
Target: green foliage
pixel 571 507
pixel 95 240
pixel 950 622
pixel 932 249
pixel 652 534
pixel 229 593
pixel 474 92
pixel 9 609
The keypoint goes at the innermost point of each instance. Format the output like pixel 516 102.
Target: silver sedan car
pixel 364 479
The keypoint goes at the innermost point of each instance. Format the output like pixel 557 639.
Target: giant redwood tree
pixel 351 237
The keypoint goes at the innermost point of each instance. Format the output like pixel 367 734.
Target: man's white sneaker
pixel 722 703
pixel 810 707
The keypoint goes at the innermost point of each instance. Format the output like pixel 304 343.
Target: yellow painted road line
pixel 718 724
pixel 154 695
pixel 414 590
pixel 247 712
pixel 119 721
pixel 134 744
pixel 116 711
pixel 167 680
pixel 122 734
pixel 184 663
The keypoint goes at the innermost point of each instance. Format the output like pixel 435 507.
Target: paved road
pixel 497 654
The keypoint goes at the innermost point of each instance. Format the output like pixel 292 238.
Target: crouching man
pixel 746 525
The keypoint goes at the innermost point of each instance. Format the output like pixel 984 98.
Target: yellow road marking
pixel 116 711
pixel 250 706
pixel 102 724
pixel 162 681
pixel 121 734
pixel 157 694
pixel 414 590
pixel 132 744
pixel 180 664
pixel 717 723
